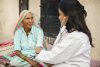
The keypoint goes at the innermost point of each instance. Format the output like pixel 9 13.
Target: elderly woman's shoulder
pixel 19 30
pixel 36 28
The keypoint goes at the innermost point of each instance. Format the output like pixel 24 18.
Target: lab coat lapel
pixel 62 32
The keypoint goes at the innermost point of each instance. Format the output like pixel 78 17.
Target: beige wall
pixel 34 6
pixel 93 21
pixel 8 16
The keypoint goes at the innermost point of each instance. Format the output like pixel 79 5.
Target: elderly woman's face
pixel 28 20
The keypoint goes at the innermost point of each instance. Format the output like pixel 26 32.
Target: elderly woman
pixel 28 40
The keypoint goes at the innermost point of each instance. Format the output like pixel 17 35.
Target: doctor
pixel 73 44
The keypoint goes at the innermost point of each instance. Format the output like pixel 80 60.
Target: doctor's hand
pixel 38 49
pixel 47 45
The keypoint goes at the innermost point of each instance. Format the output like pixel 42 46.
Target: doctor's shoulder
pixel 79 35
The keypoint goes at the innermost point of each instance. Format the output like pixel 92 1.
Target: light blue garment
pixel 27 44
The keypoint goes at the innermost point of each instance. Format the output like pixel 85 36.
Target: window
pixel 49 17
pixel 23 4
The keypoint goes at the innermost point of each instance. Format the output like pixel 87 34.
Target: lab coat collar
pixel 62 29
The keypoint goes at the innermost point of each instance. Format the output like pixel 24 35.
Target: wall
pixel 34 6
pixel 8 16
pixel 93 21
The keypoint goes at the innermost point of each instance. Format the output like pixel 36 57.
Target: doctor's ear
pixel 65 19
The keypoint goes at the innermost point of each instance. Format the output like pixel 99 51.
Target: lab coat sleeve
pixel 60 52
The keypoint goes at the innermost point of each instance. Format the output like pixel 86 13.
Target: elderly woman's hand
pixel 49 65
pixel 34 63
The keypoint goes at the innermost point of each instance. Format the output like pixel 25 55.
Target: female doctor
pixel 73 43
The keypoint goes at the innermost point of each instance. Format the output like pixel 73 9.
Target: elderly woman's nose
pixel 31 20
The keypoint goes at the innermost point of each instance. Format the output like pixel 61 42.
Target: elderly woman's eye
pixel 31 17
pixel 27 18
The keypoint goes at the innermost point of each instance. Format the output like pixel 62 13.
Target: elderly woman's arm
pixel 22 56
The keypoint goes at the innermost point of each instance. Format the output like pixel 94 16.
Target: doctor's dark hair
pixel 77 14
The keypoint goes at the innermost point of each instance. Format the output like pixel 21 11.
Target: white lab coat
pixel 69 50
